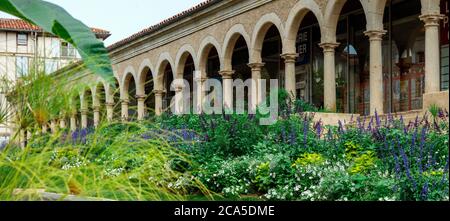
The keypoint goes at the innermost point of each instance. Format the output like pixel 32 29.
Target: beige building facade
pixel 346 56
pixel 25 47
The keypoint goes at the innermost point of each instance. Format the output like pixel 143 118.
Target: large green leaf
pixel 56 20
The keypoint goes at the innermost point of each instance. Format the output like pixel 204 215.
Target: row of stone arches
pixel 271 44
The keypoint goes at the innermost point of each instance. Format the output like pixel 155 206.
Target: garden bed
pixel 232 156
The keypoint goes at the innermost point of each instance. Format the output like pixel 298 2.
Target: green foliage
pixel 364 163
pixel 434 110
pixel 302 106
pixel 236 158
pixel 126 167
pixel 309 159
pixel 224 135
pixel 263 178
pixel 352 150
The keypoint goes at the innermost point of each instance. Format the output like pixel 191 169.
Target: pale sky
pixel 122 18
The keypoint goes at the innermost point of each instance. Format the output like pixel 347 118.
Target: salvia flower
pixel 341 127
pixel 397 166
pixel 445 172
pixel 407 166
pixel 292 136
pixel 305 132
pixel 422 145
pixel 424 193
pixel 283 134
pixel 377 119
pixel 319 129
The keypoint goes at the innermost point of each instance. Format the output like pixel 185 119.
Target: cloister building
pixel 348 56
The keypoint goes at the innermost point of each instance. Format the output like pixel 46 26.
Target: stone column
pixel 159 94
pixel 62 123
pixel 179 99
pixel 290 83
pixel 432 52
pixel 96 116
pixel 109 111
pixel 198 107
pixel 22 138
pixel 84 120
pixel 73 122
pixel 257 95
pixel 53 126
pixel 125 103
pixel 44 128
pixel 141 106
pixel 227 81
pixel 29 135
pixel 376 71
pixel 329 77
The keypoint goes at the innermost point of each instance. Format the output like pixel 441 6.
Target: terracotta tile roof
pixel 12 24
pixel 164 23
pixel 17 24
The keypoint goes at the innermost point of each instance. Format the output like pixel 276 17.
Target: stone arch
pixel 87 100
pixel 430 7
pixel 125 82
pixel 230 40
pixel 84 100
pixel 205 47
pixel 182 56
pixel 144 69
pixel 125 87
pixel 97 92
pixel 374 14
pixel 164 60
pixel 75 102
pixel 373 10
pixel 259 32
pixel 109 91
pixel 296 15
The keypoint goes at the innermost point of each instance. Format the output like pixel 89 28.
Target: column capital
pixel 125 101
pixel 141 97
pixel 84 111
pixel 227 74
pixel 431 19
pixel 375 35
pixel 109 104
pixel 256 66
pixel 178 88
pixel 159 92
pixel 329 46
pixel 289 57
pixel 200 79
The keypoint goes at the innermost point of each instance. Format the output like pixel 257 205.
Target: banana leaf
pixel 54 19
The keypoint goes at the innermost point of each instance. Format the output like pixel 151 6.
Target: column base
pixel 441 99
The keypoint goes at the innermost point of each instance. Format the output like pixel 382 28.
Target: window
pixel 22 39
pixel 22 66
pixel 67 50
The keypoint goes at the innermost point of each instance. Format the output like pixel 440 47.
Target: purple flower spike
pixel 377 119
pixel 305 132
pixel 407 166
pixel 341 128
pixel 319 129
pixel 424 194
